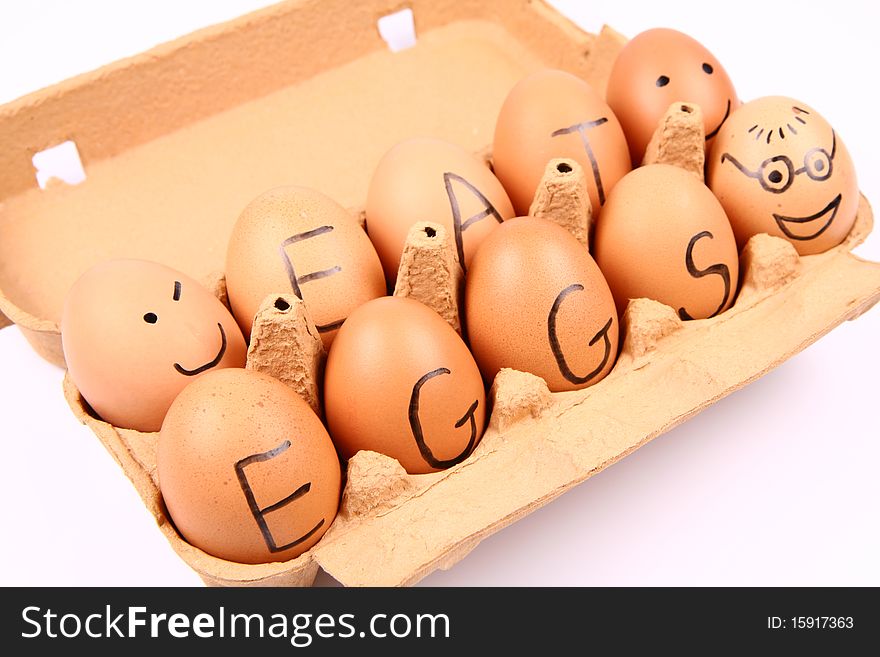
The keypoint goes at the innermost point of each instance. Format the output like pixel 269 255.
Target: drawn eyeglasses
pixel 776 174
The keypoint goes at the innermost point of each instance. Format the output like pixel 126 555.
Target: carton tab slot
pixel 61 161
pixel 398 30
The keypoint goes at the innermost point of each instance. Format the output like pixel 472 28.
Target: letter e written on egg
pixel 261 514
pixel 298 280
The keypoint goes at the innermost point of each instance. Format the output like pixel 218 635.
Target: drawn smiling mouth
pixel 718 127
pixel 209 364
pixel 813 221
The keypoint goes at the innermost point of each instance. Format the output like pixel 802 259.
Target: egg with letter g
pixel 536 302
pixel 400 381
pixel 135 333
pixel 295 239
pixel 553 114
pixel 664 236
pixel 778 167
pixel 246 469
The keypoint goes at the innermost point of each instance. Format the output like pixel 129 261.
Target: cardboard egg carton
pixel 175 142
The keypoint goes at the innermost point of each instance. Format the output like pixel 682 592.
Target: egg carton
pixel 212 120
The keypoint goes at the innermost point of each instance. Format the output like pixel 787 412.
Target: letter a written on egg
pixel 459 225
pixel 295 280
pixel 261 513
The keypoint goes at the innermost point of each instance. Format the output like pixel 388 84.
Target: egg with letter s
pixel 664 236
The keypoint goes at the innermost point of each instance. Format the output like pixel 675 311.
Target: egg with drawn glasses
pixel 664 236
pixel 246 469
pixel 400 381
pixel 778 167
pixel 295 239
pixel 536 302
pixel 135 333
pixel 657 68
pixel 426 179
pixel 550 114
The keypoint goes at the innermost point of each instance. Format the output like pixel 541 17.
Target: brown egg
pixel 432 180
pixel 556 114
pixel 135 333
pixel 400 381
pixel 660 67
pixel 246 469
pixel 297 239
pixel 536 302
pixel 778 167
pixel 664 236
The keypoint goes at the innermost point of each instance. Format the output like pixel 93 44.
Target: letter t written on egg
pixel 279 509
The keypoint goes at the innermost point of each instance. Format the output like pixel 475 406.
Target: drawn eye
pixel 151 318
pixel 707 68
pixel 776 174
pixel 817 164
pixel 662 81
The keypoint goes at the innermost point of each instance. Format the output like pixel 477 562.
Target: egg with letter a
pixel 778 167
pixel 536 302
pixel 300 240
pixel 425 179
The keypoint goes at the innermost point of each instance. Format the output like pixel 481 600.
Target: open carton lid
pixel 230 103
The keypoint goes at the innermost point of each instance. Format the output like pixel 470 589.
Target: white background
pixel 775 485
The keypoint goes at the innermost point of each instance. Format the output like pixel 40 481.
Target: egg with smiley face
pixel 778 167
pixel 660 67
pixel 135 333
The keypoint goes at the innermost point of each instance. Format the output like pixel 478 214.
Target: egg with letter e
pixel 135 333
pixel 295 239
pixel 778 167
pixel 536 302
pixel 400 381
pixel 246 469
